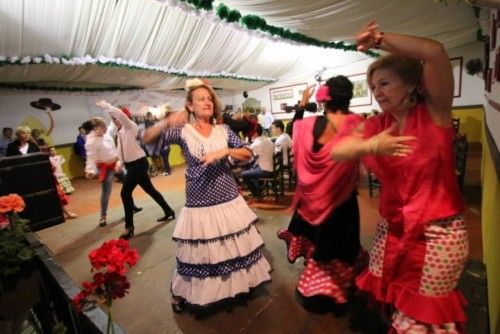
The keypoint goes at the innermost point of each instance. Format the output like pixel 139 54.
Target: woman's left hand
pixel 214 156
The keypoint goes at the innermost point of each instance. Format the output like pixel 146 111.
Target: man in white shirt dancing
pixel 134 158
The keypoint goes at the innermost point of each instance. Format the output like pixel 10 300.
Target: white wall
pixel 15 109
pixel 472 90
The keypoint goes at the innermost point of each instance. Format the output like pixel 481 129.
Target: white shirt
pixel 283 144
pixel 127 147
pixel 267 120
pixel 99 149
pixel 264 148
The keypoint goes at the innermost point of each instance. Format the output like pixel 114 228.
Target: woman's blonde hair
pixel 215 99
pixel 410 70
pixel 22 129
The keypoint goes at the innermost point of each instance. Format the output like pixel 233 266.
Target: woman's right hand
pixel 366 38
pixel 176 118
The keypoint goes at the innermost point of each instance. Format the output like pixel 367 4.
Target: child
pixel 57 161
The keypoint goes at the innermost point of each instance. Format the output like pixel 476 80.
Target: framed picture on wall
pixel 456 66
pixel 285 96
pixel 362 95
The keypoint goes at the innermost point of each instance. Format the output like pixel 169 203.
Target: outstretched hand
pixel 214 156
pixel 102 104
pixel 366 38
pixel 385 143
pixel 306 95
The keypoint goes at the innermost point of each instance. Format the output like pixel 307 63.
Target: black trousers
pixel 137 174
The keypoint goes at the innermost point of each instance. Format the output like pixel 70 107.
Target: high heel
pixel 168 216
pixel 102 221
pixel 127 235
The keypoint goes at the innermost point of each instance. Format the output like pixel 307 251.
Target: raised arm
pixel 438 75
pixel 116 113
pixel 177 118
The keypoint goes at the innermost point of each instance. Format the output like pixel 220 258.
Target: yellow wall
pixel 471 121
pixel 74 165
pixel 490 216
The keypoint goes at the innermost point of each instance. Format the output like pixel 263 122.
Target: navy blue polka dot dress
pixel 218 247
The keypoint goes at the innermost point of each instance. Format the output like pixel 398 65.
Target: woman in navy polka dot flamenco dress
pixel 218 247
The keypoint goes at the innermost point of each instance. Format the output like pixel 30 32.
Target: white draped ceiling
pixel 165 39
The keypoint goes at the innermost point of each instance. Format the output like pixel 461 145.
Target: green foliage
pixel 15 250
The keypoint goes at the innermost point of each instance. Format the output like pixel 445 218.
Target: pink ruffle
pixel 427 309
pixel 372 284
pixel 437 309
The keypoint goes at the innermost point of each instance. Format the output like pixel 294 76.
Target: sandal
pixel 70 215
pixel 102 221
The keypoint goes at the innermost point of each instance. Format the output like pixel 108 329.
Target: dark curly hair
pixel 340 91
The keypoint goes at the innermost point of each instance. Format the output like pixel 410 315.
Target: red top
pixel 422 186
pixel 323 184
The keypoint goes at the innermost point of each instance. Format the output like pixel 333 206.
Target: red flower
pixel 4 221
pixel 112 257
pixel 12 202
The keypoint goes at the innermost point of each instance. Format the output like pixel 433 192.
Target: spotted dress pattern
pixel 218 246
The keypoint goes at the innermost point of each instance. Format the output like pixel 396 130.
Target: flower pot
pixel 18 294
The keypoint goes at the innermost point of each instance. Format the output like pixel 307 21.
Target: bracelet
pixel 378 39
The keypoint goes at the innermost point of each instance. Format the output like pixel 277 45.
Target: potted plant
pixel 19 288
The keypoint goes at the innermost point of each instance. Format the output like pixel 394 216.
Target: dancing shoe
pixel 102 221
pixel 129 233
pixel 168 216
pixel 178 304
pixel 136 209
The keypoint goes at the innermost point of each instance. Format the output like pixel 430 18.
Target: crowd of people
pixel 420 245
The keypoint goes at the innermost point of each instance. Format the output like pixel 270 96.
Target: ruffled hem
pixel 205 291
pixel 218 269
pixel 437 310
pixel 206 224
pixel 214 252
pixel 296 246
pixel 372 284
pixel 331 279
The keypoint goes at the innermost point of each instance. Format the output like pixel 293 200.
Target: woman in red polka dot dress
pixel 325 226
pixel 420 245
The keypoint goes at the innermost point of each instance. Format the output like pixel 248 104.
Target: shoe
pixel 168 216
pixel 166 173
pixel 102 221
pixel 128 234
pixel 178 304
pixel 136 209
pixel 71 215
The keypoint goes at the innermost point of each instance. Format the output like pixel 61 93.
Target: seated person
pixel 263 148
pixel 283 141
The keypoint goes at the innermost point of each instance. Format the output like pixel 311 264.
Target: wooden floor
pixel 273 308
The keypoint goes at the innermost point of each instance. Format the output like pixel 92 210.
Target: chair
pixel 373 183
pixel 456 124
pixel 461 147
pixel 274 185
pixel 289 171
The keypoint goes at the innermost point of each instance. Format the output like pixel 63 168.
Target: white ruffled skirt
pixel 218 253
